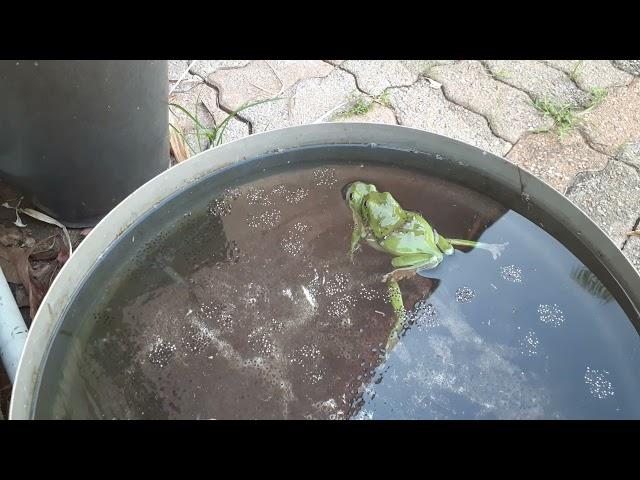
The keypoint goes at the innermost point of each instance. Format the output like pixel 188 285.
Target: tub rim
pixel 146 197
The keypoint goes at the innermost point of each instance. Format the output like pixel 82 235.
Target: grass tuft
pixel 575 73
pixel 567 116
pixel 363 105
pixel 501 74
pixel 563 115
pixel 213 135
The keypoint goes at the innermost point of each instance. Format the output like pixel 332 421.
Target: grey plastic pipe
pixel 13 331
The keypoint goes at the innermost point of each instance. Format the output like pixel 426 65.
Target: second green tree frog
pixel 383 224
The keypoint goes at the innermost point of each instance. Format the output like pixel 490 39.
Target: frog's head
pixel 381 213
pixel 354 193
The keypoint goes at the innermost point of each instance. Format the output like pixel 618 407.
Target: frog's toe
pixel 389 276
pixel 399 274
pixel 392 341
pixel 497 249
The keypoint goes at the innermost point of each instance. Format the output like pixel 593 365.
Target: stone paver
pixel 239 86
pixel 556 160
pixel 305 102
pixel 422 106
pixel 629 66
pixel 291 71
pixel 616 121
pixel 208 114
pixel 630 153
pixel 264 79
pixel 539 80
pixel 610 197
pixel 423 67
pixel 508 110
pixel 204 68
pixel 176 69
pixel 377 114
pixel 375 76
pixel 589 74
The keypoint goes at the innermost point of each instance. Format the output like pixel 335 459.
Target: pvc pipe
pixel 13 331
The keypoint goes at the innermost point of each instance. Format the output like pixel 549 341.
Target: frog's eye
pixel 351 196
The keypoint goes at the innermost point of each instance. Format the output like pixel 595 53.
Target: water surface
pixel 244 304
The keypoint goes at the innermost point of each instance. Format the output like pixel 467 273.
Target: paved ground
pixel 575 124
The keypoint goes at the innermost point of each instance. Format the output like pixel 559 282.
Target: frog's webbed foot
pixel 399 274
pixel 352 253
pixel 496 249
pixel 392 341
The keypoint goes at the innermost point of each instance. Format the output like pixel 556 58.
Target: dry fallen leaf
pixel 46 249
pixel 63 255
pixel 18 222
pixel 22 297
pixel 10 236
pixel 6 263
pixel 38 216
pixel 33 268
pixel 178 147
pixel 176 138
pixel 46 218
pixel 19 258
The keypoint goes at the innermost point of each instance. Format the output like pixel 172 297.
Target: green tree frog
pixel 383 224
pixel 415 246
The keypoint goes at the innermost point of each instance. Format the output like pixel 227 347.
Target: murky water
pixel 247 306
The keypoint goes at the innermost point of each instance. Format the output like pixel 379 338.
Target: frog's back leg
pixel 494 248
pixel 408 265
pixel 417 260
pixel 442 243
pixel 373 244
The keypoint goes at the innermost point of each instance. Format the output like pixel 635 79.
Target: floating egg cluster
pixel 325 176
pixel 599 384
pixel 511 273
pixel 550 314
pixel 465 295
pixel 529 344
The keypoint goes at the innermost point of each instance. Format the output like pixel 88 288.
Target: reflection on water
pixel 248 307
pixel 587 280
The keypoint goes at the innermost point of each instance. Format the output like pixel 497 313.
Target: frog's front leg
pixel 494 248
pixel 355 240
pixel 357 235
pixel 408 265
pixel 395 296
